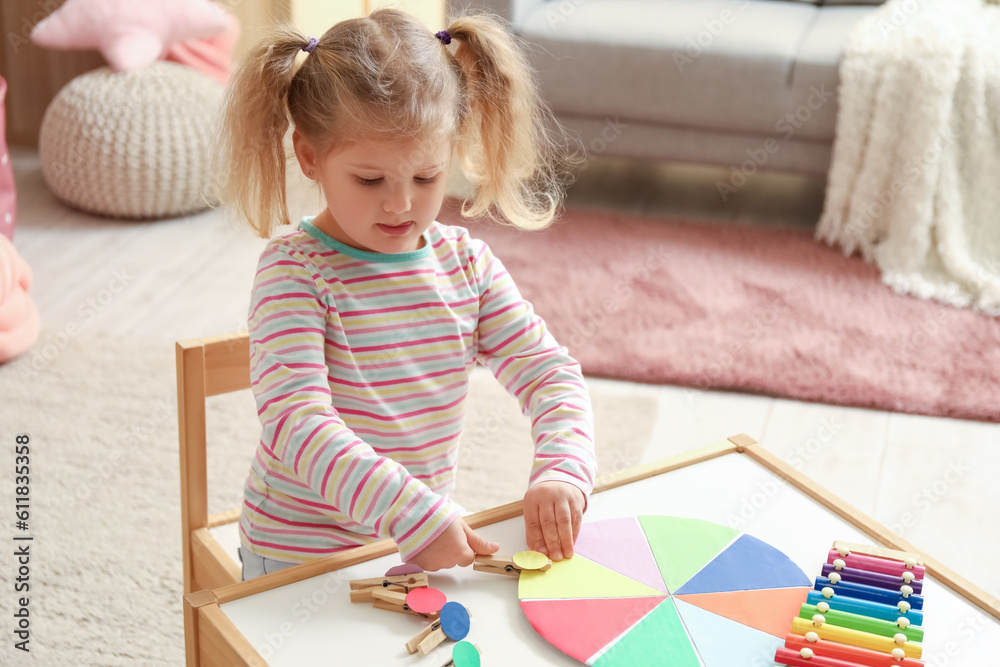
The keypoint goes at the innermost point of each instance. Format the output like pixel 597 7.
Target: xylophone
pixel 866 609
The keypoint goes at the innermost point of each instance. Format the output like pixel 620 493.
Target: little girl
pixel 366 321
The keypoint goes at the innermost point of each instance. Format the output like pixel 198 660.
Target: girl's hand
pixel 457 545
pixel 553 512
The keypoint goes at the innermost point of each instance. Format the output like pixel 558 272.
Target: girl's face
pixel 381 196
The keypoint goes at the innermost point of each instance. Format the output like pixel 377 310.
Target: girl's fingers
pixel 577 519
pixel 553 516
pixel 550 531
pixel 533 529
pixel 564 527
pixel 478 543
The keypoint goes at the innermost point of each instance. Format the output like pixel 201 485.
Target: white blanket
pixel 915 180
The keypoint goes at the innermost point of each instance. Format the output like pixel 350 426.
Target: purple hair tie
pixel 444 36
pixel 311 46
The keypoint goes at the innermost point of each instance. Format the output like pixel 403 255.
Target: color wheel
pixel 661 590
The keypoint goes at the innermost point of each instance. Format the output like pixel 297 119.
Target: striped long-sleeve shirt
pixel 360 365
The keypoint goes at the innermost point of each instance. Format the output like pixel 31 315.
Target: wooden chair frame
pixel 205 367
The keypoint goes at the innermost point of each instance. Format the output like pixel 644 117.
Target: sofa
pixel 746 84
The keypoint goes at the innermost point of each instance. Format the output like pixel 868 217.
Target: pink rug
pixel 770 311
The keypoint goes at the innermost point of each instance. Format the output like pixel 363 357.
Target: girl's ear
pixel 305 154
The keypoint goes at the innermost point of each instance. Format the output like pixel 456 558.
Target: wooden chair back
pixel 205 367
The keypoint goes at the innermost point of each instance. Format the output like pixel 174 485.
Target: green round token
pixel 530 560
pixel 465 655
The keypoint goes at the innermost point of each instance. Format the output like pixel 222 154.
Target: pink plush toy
pixel 19 321
pixel 212 56
pixel 130 33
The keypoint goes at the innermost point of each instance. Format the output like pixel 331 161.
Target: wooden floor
pixel 930 479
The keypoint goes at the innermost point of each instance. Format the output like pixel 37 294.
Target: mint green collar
pixel 311 229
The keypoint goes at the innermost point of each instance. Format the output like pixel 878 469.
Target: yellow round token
pixel 530 560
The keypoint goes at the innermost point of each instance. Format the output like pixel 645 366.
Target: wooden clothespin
pixel 363 590
pixel 522 560
pixel 452 624
pixel 495 565
pixel 423 641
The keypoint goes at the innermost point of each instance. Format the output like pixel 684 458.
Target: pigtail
pixel 508 142
pixel 250 153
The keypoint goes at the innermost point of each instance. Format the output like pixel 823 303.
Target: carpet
pixel 101 414
pixel 765 310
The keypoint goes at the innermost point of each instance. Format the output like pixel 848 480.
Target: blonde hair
pixel 387 76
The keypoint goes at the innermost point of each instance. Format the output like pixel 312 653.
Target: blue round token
pixel 455 621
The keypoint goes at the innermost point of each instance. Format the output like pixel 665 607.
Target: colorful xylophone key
pixel 889 581
pixel 844 547
pixel 806 658
pixel 870 593
pixel 886 612
pixel 801 626
pixel 875 626
pixel 852 654
pixel 881 565
pixel 884 565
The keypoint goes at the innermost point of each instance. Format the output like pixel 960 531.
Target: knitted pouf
pixel 133 144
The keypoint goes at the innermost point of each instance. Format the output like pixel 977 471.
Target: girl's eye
pixel 368 181
pixel 425 181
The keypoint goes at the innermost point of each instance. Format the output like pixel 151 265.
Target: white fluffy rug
pixel 913 179
pixel 101 412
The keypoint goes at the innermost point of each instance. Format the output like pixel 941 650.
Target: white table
pixel 300 618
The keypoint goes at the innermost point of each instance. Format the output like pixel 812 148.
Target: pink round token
pixel 425 600
pixel 404 569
